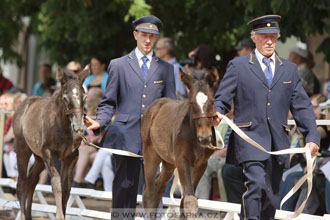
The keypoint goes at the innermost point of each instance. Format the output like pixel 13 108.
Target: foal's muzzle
pixel 77 120
pixel 205 140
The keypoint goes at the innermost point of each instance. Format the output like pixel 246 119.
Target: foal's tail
pixel 148 118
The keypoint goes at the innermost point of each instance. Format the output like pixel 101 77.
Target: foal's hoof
pixel 190 206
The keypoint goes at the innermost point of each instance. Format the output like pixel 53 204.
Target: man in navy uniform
pixel 135 81
pixel 263 88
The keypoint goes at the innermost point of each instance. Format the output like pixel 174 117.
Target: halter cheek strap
pixel 205 115
pixel 75 110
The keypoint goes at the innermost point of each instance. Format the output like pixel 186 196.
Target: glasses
pixel 159 48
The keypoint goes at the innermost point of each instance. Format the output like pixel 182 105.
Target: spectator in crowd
pixel 245 47
pixel 304 62
pixel 326 105
pixel 165 50
pixel 87 153
pixel 10 162
pixel 99 76
pixel 101 164
pixel 203 57
pixel 310 63
pixel 297 140
pixel 317 199
pixel 9 107
pixel 327 196
pixel 3 101
pixel 5 84
pixel 9 156
pixel 47 84
pixel 135 81
pixel 263 88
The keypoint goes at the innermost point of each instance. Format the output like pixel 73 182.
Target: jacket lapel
pixel 256 68
pixel 134 63
pixel 153 67
pixel 278 70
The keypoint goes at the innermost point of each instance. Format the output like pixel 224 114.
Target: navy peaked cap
pixel 267 24
pixel 149 24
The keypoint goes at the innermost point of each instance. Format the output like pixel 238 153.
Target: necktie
pixel 144 67
pixel 268 71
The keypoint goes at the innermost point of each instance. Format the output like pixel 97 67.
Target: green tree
pixel 78 29
pixel 221 24
pixel 12 13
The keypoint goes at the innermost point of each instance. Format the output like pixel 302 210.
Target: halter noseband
pixel 75 110
pixel 205 115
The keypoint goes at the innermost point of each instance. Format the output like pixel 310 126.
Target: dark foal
pixel 50 129
pixel 178 135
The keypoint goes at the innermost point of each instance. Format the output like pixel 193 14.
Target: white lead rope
pixel 114 151
pixel 309 165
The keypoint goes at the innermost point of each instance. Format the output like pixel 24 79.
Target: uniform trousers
pixel 262 189
pixel 125 186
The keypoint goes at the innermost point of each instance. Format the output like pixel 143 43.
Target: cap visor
pixel 147 30
pixel 268 31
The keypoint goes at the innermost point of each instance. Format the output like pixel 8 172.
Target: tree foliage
pixel 221 24
pixel 78 29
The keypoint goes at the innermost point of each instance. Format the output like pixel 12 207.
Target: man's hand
pixel 220 153
pixel 313 147
pixel 91 124
pixel 217 120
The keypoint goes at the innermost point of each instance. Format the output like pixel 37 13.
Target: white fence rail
pixel 231 209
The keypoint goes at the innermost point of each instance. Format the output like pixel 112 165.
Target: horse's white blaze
pixel 65 96
pixel 201 99
pixel 75 95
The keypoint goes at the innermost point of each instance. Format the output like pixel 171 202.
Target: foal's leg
pixel 23 152
pixel 189 204
pixel 51 163
pixel 161 180
pixel 32 181
pixel 151 166
pixel 197 174
pixel 67 167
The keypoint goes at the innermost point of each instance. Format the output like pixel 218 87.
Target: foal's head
pixel 201 99
pixel 73 96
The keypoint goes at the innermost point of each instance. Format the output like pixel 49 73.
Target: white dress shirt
pixel 263 66
pixel 139 56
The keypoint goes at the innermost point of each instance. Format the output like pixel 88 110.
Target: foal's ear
pixel 61 76
pixel 212 77
pixel 84 73
pixel 186 78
